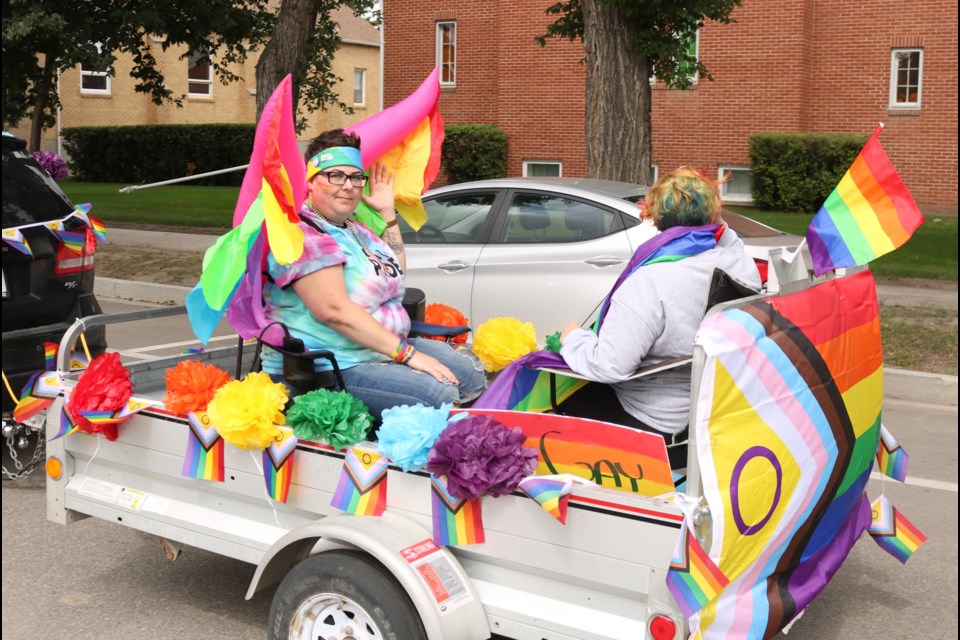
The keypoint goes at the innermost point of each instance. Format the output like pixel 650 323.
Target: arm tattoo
pixel 394 240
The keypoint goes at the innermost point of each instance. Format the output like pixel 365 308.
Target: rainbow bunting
pixel 204 456
pixel 870 213
pixel 99 417
pixel 551 492
pixel 892 459
pixel 73 240
pixel 78 361
pixel 455 521
pixel 30 404
pixel 693 578
pixel 50 355
pixel 47 386
pixel 363 483
pixel 133 406
pixel 54 225
pixel 278 466
pixel 67 425
pixel 99 229
pixel 14 237
pixel 893 532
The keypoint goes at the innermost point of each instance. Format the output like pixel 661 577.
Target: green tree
pixel 43 37
pixel 626 43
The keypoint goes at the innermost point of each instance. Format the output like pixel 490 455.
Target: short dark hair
pixel 332 138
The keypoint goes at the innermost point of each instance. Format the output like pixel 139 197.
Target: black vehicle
pixel 43 293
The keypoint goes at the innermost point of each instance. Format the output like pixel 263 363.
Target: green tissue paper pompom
pixel 553 342
pixel 336 417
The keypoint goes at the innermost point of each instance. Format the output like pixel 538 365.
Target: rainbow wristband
pixel 403 352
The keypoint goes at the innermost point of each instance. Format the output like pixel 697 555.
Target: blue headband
pixel 334 157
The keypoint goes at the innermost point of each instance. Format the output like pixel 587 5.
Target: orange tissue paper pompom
pixel 446 316
pixel 191 386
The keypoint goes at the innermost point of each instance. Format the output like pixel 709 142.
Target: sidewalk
pixel 898 383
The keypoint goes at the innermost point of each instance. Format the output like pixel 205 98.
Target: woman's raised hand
pixel 381 191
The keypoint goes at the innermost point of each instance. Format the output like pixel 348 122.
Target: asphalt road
pixel 94 579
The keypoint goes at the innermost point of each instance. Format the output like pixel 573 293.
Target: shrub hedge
pixel 150 153
pixel 797 171
pixel 474 152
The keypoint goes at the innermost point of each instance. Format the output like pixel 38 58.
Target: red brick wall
pixel 784 65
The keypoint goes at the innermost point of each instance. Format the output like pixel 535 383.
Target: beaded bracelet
pixel 403 352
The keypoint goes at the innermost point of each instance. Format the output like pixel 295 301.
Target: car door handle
pixel 454 266
pixel 604 261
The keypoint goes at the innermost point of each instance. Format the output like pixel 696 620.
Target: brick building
pixel 92 99
pixel 785 65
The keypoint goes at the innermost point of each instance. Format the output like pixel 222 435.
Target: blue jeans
pixel 385 384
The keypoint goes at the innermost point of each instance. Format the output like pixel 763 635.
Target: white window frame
pixel 695 78
pixel 894 72
pixel 440 25
pixel 528 163
pixel 362 86
pixel 95 74
pixel 723 170
pixel 654 173
pixel 208 82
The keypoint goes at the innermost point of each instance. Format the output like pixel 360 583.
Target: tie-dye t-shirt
pixel 373 279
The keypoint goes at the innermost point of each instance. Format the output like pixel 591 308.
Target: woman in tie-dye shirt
pixel 345 292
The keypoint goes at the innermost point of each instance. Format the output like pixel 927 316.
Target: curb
pixel 917 386
pixel 149 292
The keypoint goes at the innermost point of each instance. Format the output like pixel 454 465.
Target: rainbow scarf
pixel 204 457
pixel 455 520
pixel 362 489
pixel 551 492
pixel 892 459
pixel 870 213
pixel 693 578
pixel 278 466
pixel 893 532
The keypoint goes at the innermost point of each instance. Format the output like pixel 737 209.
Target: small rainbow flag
pixel 278 466
pixel 693 578
pixel 73 240
pixel 455 521
pixel 99 229
pixel 50 355
pixel 78 361
pixel 14 237
pixel 67 425
pixel 893 532
pixel 870 213
pixel 551 492
pixel 204 457
pixel 363 483
pixel 99 417
pixel 133 406
pixel 892 459
pixel 31 401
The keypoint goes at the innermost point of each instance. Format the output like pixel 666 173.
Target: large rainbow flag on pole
pixel 870 213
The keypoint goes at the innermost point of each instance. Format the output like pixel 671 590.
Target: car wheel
pixel 342 594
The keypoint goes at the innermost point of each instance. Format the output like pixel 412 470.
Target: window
pixel 447 53
pixel 534 218
pixel 199 74
pixel 739 188
pixel 685 66
pixel 654 173
pixel 94 82
pixel 541 169
pixel 454 219
pixel 359 87
pixel 906 77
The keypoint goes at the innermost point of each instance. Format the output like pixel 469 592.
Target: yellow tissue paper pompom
pixel 246 412
pixel 500 341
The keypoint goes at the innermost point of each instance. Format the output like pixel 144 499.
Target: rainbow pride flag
pixel 870 213
pixel 892 459
pixel 99 229
pixel 67 425
pixel 362 489
pixel 50 355
pixel 693 578
pixel 73 240
pixel 278 466
pixel 37 395
pixel 455 521
pixel 99 417
pixel 14 237
pixel 78 361
pixel 551 492
pixel 893 532
pixel 204 456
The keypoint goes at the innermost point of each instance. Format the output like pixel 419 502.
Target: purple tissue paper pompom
pixel 480 456
pixel 52 164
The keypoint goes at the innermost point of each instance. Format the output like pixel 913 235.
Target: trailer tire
pixel 340 594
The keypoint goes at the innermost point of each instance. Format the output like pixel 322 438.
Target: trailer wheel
pixel 342 594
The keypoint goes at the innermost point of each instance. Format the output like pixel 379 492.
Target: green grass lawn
pixel 180 205
pixel 931 253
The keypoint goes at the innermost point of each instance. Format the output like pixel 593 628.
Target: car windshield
pixel 29 193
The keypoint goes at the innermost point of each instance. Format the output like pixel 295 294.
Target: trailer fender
pixel 402 547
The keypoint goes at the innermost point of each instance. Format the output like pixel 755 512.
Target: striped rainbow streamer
pixel 278 466
pixel 67 425
pixel 14 237
pixel 73 240
pixel 50 355
pixel 204 457
pixel 362 489
pixel 870 213
pixel 892 459
pixel 693 578
pixel 551 492
pixel 455 521
pixel 893 532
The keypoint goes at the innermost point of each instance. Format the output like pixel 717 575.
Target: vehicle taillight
pixel 763 267
pixel 662 628
pixel 70 261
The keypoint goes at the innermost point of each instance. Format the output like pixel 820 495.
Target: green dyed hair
pixel 683 198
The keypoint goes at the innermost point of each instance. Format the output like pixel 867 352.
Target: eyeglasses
pixel 339 178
